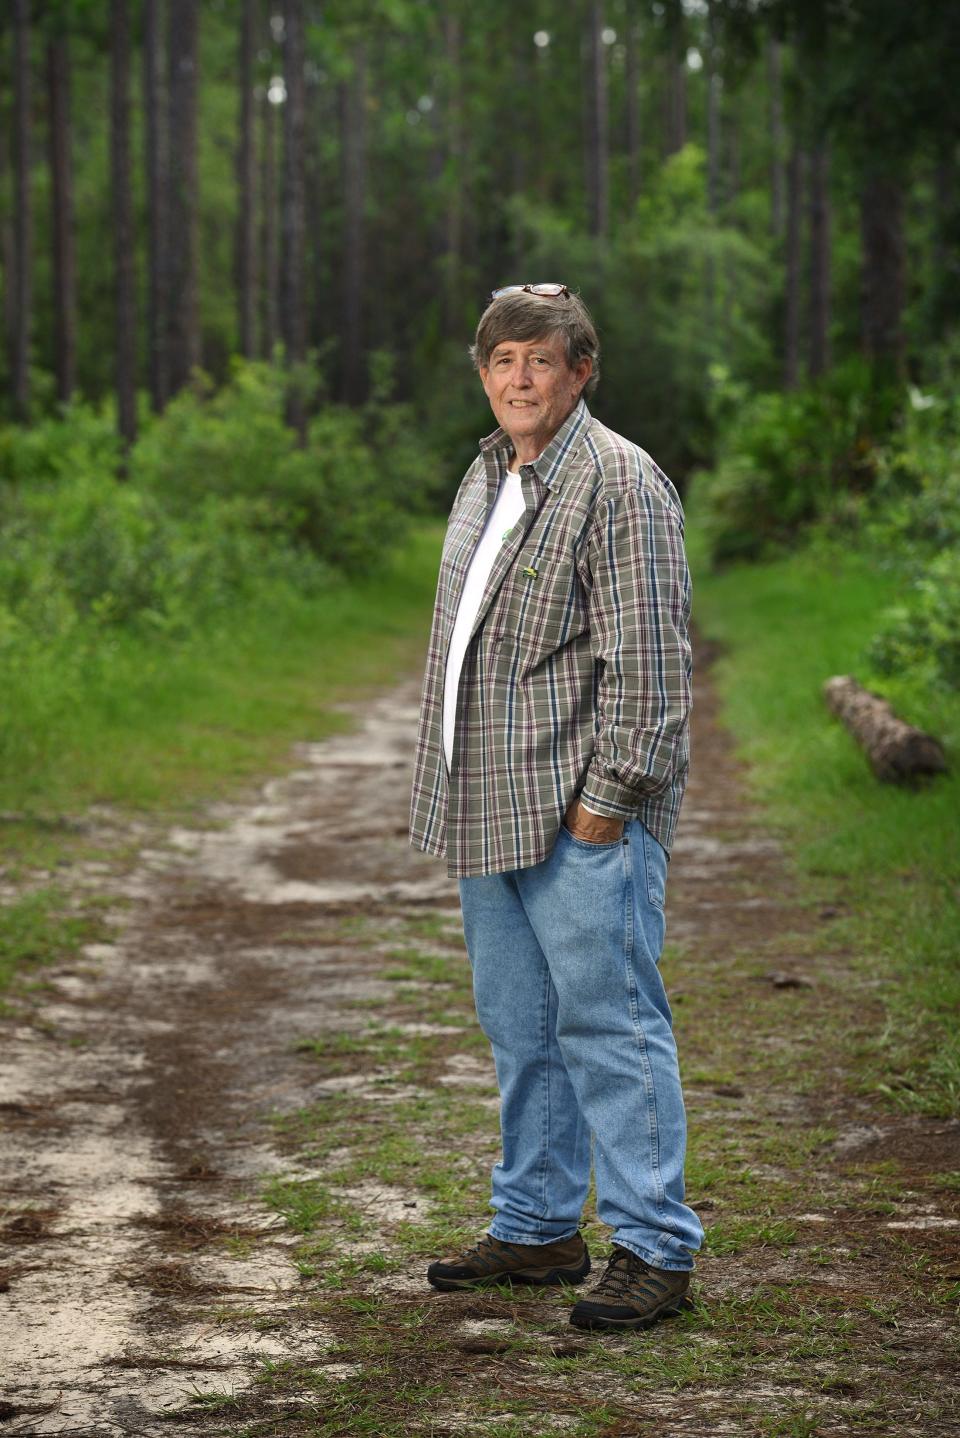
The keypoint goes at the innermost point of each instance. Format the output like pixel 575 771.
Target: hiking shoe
pixel 492 1261
pixel 631 1294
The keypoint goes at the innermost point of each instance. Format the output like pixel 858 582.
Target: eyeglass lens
pixel 552 291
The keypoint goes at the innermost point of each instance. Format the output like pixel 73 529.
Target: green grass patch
pixel 162 724
pixel 887 856
pixel 41 928
pixel 163 727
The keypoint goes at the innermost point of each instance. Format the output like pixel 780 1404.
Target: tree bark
pixel 354 158
pixel 453 210
pixel 883 272
pixel 675 91
pixel 713 152
pixel 898 753
pixel 819 354
pixel 123 234
pixel 632 81
pixel 597 126
pixel 246 188
pixel 182 279
pixel 20 283
pixel 775 94
pixel 157 184
pixel 293 311
pixel 62 218
pixel 791 340
pixel 269 327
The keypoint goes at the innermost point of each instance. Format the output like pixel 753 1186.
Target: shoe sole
pixel 533 1276
pixel 669 1309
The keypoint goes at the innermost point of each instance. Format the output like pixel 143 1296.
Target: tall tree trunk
pixel 354 155
pixel 182 286
pixel 597 127
pixel 155 163
pixel 882 271
pixel 819 355
pixel 246 196
pixel 8 259
pixel 61 193
pixel 453 210
pixel 632 81
pixel 22 226
pixel 675 90
pixel 123 235
pixel 945 299
pixel 293 312
pixel 713 152
pixel 269 324
pixel 791 339
pixel 317 125
pixel 775 96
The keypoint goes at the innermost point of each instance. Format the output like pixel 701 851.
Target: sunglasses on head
pixel 551 292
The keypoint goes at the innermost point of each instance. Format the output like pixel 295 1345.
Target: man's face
pixel 532 389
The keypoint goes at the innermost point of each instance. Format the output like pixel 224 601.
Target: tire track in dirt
pixel 139 1261
pixel 133 1097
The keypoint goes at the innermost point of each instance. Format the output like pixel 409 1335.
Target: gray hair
pixel 522 316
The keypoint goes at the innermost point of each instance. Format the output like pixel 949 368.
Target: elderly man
pixel 551 760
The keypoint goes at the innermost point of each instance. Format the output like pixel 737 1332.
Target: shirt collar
pixel 550 467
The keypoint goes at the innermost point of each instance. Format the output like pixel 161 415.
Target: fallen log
pixel 898 752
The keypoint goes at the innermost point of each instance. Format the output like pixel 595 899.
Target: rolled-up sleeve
pixel 639 618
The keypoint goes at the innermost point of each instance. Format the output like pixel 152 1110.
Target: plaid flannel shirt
pixel 577 676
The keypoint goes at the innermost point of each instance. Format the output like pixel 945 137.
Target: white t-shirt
pixel 508 508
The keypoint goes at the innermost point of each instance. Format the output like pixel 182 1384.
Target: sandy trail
pixel 136 1093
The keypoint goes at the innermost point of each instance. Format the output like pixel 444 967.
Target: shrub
pixel 922 635
pixel 345 494
pixel 786 459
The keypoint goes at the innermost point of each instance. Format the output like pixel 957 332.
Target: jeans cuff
pixel 531 1240
pixel 655 1260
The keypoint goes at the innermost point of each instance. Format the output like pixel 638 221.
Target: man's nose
pixel 521 375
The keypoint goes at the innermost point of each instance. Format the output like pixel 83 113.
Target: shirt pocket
pixel 545 603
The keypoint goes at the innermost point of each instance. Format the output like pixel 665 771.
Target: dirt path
pixel 234 1135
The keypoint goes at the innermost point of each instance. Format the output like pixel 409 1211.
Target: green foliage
pixel 220 512
pixel 921 635
pixel 788 458
pixel 656 290
pixel 343 495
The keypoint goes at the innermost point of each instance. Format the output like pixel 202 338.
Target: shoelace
pixel 485 1252
pixel 626 1273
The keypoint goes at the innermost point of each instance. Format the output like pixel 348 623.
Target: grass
pixel 42 927
pixel 159 729
pixel 161 725
pixel 885 855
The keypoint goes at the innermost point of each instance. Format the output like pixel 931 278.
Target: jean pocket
pixel 655 863
pixel 588 843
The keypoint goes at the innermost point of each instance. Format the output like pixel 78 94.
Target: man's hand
pixel 591 828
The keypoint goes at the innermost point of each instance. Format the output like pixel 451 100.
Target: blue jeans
pixel 564 957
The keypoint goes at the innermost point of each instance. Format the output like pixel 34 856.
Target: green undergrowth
pixel 156 728
pixel 160 725
pixel 884 856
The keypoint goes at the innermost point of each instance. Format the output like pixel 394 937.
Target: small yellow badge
pixel 529 572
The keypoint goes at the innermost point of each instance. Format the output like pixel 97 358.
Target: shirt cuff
pixel 608 799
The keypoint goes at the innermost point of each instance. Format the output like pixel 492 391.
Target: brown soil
pixel 151 1093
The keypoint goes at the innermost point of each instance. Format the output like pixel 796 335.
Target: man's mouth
pixel 522 403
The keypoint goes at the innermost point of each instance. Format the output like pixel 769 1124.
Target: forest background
pixel 244 247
